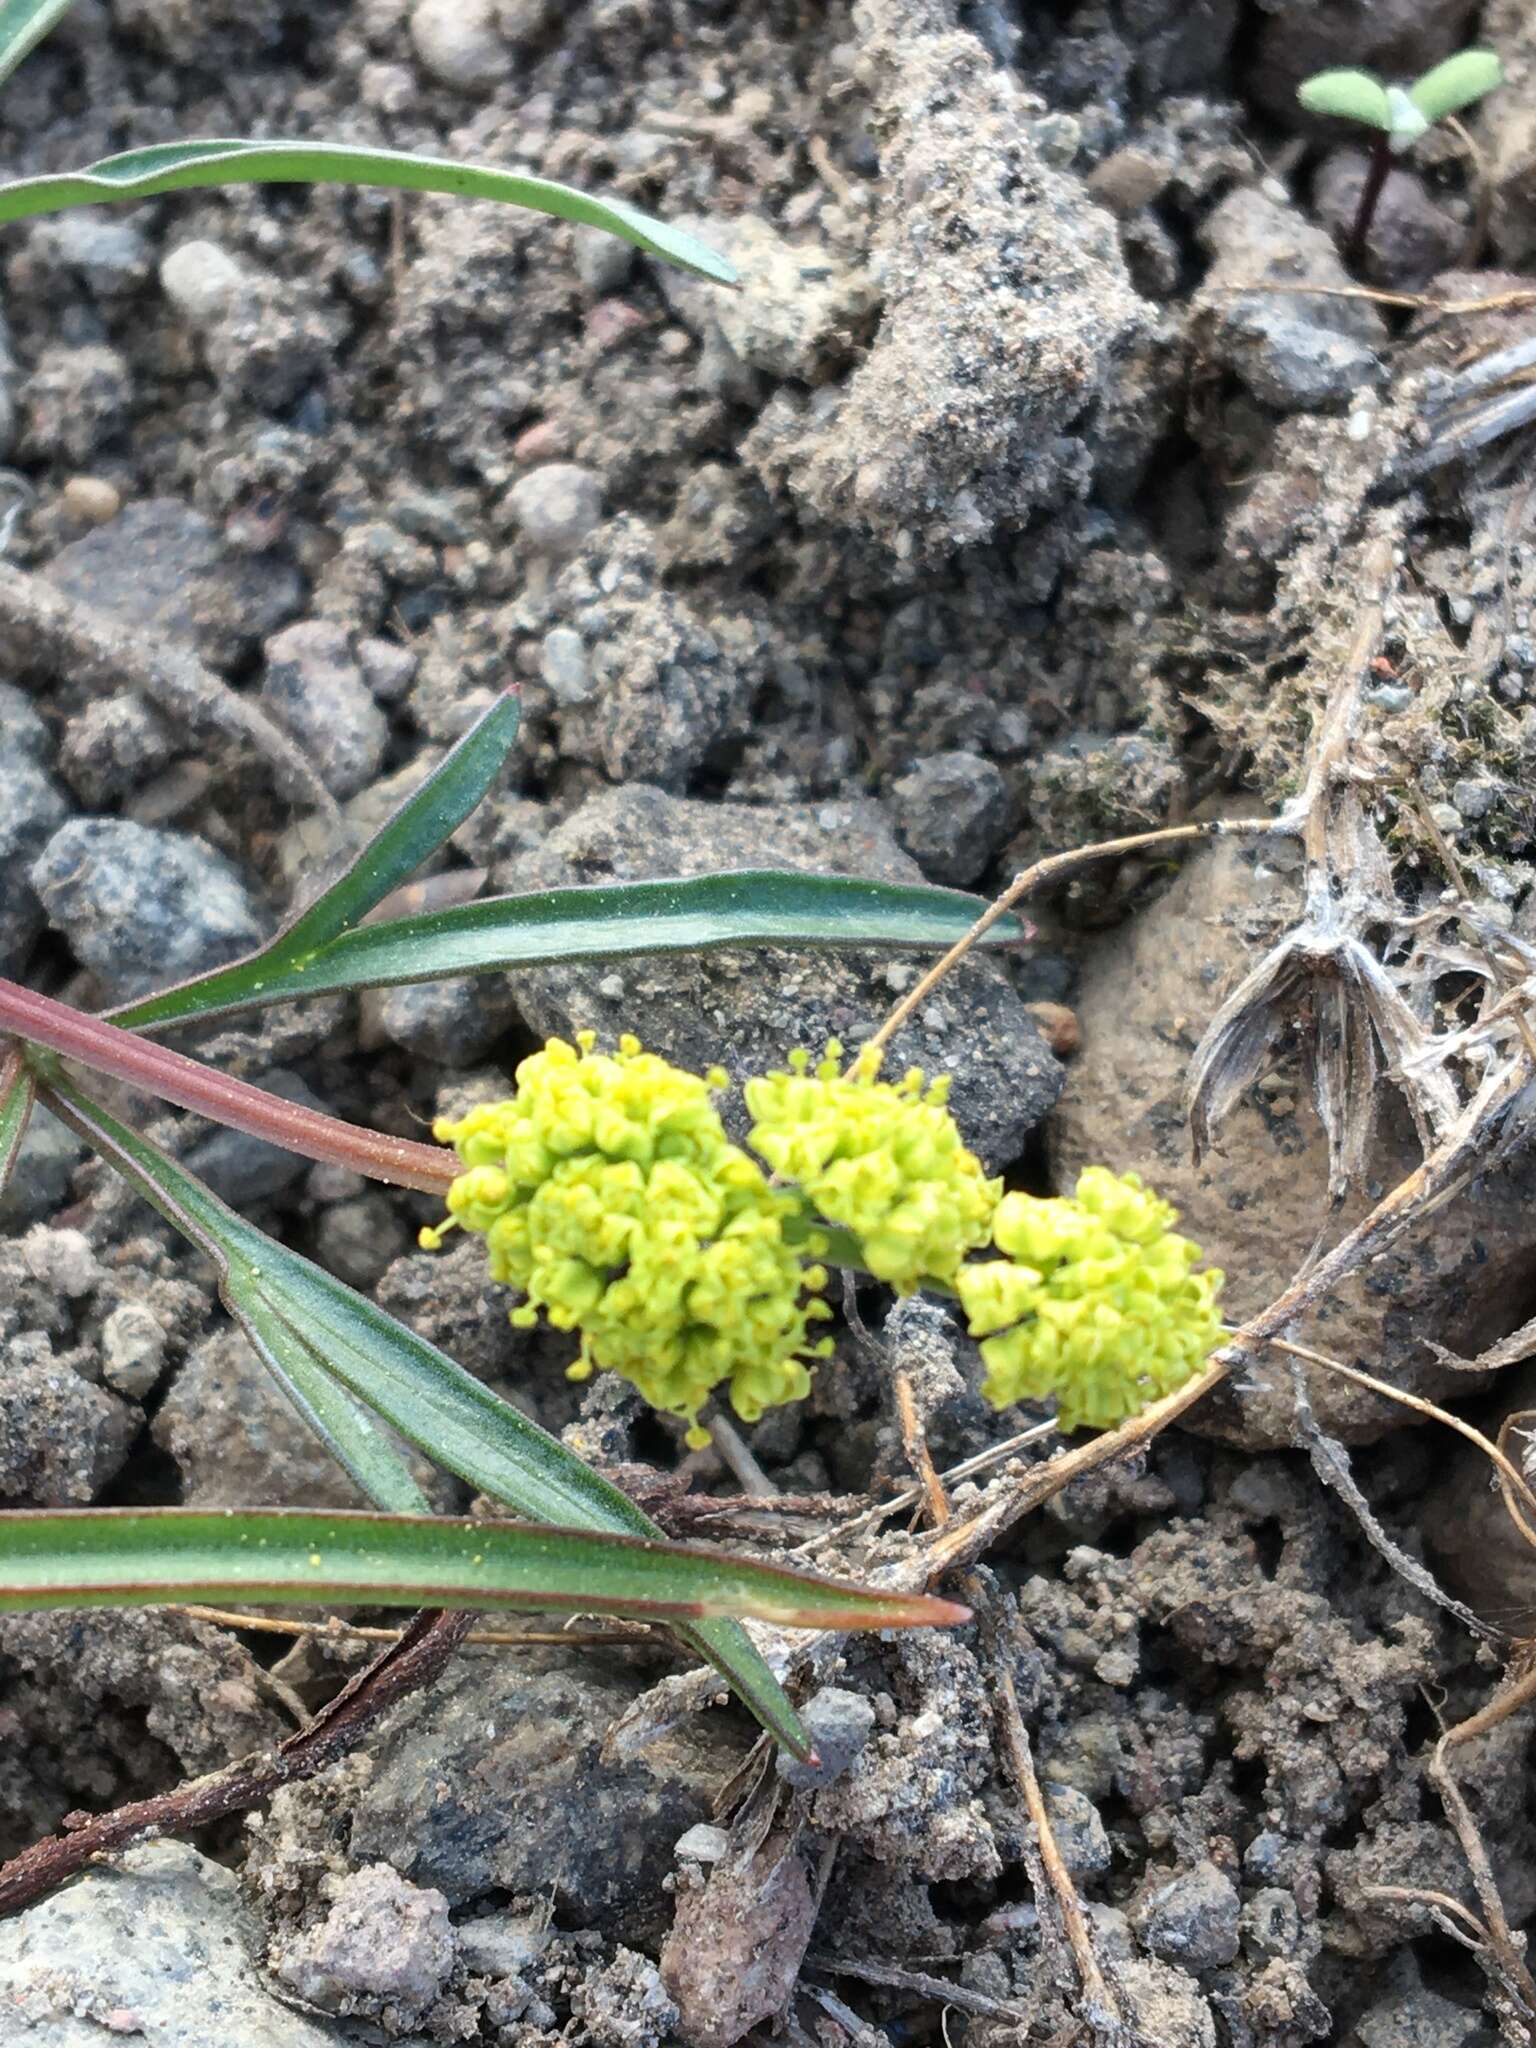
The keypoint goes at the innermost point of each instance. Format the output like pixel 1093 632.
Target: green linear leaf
pixel 217 160
pixel 351 1435
pixel 410 1384
pixel 425 821
pixel 23 24
pixel 744 907
pixel 132 1557
pixel 17 1094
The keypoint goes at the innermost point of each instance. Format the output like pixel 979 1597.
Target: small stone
pixel 1058 1026
pixel 132 1350
pixel 112 746
pixel 62 1260
pixel 61 1439
pixel 32 808
pixel 141 908
pixel 623 2005
pixel 202 281
pixel 1474 797
pixel 603 262
pixel 110 256
pixel 839 1724
pixel 314 687
pixel 612 988
pixel 1079 1832
pixel 460 43
pixel 453 1023
pixel 556 506
pixel 42 1172
pixel 235 1437
pixel 1271 1922
pixel 952 813
pixel 357 1240
pixel 92 500
pixel 704 1843
pixel 384 1943
pixel 1191 1919
pixel 163 566
pixel 74 402
pixel 564 666
pixel 388 668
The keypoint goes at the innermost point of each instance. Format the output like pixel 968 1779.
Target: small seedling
pixel 1399 115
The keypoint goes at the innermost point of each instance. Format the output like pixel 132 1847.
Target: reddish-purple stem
pixel 108 1049
pixel 1370 192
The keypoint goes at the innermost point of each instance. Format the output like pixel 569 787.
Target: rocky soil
pixel 1017 499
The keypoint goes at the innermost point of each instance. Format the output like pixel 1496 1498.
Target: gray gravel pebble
pixel 383 1943
pixel 315 687
pixel 61 1439
pixel 141 907
pixel 452 1022
pixel 530 1806
pixel 952 814
pixel 32 808
pixel 556 506
pixel 839 1724
pixel 460 43
pixel 41 1175
pixel 132 1349
pixel 201 280
pixel 1191 1919
pixel 164 566
pixel 112 746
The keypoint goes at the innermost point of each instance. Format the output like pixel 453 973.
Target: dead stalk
pixel 1054 868
pixel 1019 1758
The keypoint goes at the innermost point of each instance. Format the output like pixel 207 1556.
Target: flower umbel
pixel 1096 1302
pixel 885 1160
pixel 608 1191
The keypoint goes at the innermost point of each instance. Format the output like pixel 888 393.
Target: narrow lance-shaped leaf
pixel 23 24
pixel 425 821
pixel 1456 83
pixel 16 1096
pixel 611 921
pixel 141 1557
pixel 409 1383
pixel 217 160
pixel 1351 95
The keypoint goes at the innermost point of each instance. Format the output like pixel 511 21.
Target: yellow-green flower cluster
pixel 608 1191
pixel 1096 1302
pixel 884 1160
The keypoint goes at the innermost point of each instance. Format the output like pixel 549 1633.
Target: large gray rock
pixel 163 566
pixel 529 1805
pixel 142 907
pixel 157 1949
pixel 746 1010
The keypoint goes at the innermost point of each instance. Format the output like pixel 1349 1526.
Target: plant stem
pixel 1370 192
pixel 107 1049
